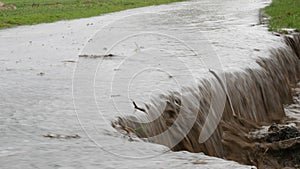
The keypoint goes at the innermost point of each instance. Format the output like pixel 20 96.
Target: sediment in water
pixel 254 98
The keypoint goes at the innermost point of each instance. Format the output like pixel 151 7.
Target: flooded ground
pixel 38 124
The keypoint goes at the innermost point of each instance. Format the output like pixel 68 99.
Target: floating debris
pixel 41 74
pixel 96 56
pixel 115 95
pixel 9 69
pixel 137 107
pixel 61 136
pixel 199 162
pixel 117 69
pixel 69 61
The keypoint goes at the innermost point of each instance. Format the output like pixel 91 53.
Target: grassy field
pixel 284 14
pixel 30 12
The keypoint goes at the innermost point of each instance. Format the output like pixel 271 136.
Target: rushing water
pixel 37 65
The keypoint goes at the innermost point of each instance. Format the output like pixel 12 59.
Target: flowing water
pixel 255 98
pixel 49 95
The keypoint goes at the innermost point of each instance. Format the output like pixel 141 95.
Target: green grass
pixel 284 14
pixel 55 10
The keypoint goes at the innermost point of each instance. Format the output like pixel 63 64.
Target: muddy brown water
pixel 37 65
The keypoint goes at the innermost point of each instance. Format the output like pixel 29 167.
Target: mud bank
pixel 255 98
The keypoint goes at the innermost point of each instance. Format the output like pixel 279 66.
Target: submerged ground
pixel 38 125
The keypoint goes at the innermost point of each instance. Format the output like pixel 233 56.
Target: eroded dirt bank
pixel 37 65
pixel 255 98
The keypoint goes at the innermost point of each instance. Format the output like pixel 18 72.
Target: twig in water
pixel 138 108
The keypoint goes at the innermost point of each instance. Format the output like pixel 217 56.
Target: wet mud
pixel 254 128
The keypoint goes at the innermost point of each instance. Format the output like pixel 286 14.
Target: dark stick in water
pixel 138 108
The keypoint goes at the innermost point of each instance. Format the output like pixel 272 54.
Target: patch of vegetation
pixel 31 12
pixel 284 14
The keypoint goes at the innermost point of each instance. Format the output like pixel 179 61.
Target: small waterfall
pixel 254 98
